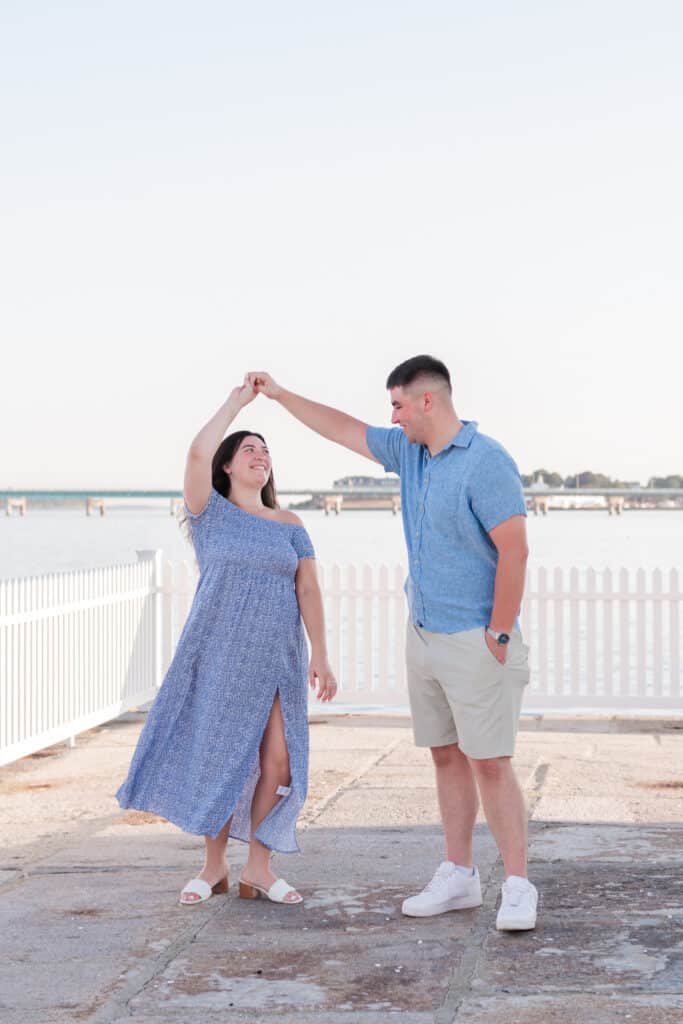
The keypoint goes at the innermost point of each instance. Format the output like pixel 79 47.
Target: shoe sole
pixel 517 926
pixel 247 891
pixel 443 908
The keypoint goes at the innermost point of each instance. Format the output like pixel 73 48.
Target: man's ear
pixel 428 401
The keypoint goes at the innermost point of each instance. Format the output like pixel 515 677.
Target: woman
pixel 224 750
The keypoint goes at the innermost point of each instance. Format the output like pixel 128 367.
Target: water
pixel 52 540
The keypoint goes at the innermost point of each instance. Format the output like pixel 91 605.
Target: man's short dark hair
pixel 419 366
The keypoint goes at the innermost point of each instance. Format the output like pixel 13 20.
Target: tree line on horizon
pixel 586 479
pixel 595 480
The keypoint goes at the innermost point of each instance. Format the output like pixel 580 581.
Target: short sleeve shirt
pixel 450 502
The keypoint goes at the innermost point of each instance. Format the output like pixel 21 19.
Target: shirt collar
pixel 462 439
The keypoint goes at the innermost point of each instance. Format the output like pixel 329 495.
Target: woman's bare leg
pixel 215 863
pixel 275 772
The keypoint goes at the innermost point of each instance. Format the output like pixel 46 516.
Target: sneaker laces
pixel 516 891
pixel 444 871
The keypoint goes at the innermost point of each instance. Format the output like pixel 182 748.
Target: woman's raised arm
pixel 197 485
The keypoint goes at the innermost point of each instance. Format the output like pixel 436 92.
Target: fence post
pixel 154 556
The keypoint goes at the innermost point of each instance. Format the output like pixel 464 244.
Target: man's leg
pixel 505 810
pixel 485 699
pixel 452 887
pixel 458 802
pixel 433 726
pixel 507 818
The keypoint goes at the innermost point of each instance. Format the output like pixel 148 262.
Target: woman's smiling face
pixel 251 464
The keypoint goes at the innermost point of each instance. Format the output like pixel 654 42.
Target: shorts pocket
pixel 414 645
pixel 489 652
pixel 517 663
pixel 518 651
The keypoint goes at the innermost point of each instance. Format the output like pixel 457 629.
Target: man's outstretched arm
pixel 330 423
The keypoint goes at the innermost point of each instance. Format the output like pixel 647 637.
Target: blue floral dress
pixel 197 759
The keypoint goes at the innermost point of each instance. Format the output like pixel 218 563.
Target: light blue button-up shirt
pixel 450 502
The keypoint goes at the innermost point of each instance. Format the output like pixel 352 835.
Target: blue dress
pixel 197 759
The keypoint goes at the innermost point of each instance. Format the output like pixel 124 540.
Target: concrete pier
pixel 336 502
pixel 332 503
pixel 94 505
pixel 19 505
pixel 91 931
pixel 540 503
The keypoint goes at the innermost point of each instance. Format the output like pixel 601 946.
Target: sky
pixel 322 190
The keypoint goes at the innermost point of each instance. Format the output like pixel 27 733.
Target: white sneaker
pixel 449 889
pixel 518 905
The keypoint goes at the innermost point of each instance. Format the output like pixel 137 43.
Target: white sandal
pixel 277 892
pixel 198 887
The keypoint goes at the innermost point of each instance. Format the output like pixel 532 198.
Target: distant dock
pixel 385 496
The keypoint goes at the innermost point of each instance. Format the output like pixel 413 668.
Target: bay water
pixel 54 540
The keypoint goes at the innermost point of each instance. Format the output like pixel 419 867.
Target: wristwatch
pixel 500 638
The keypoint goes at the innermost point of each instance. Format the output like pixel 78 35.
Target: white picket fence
pixel 604 641
pixel 76 649
pixel 80 648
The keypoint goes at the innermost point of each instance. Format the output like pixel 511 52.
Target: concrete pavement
pixel 90 929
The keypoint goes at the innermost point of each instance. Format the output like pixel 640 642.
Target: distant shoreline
pixel 122 504
pixel 354 498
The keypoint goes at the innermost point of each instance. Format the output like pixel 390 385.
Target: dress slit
pixel 241 817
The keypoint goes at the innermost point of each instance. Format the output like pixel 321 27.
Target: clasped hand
pixel 257 382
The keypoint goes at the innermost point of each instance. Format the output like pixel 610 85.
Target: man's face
pixel 408 412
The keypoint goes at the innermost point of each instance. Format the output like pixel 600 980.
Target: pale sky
pixel 321 190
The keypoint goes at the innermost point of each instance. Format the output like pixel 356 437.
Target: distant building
pixel 367 481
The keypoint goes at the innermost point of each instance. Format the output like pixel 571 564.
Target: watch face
pixel 503 638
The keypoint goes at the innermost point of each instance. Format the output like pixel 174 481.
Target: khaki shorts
pixel 459 693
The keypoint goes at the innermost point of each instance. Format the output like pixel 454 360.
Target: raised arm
pixel 330 423
pixel 197 484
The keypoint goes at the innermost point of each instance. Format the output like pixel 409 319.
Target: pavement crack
pixel 305 821
pixel 461 984
pixel 534 784
pixel 91 869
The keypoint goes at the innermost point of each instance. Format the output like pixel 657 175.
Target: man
pixel 464 519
